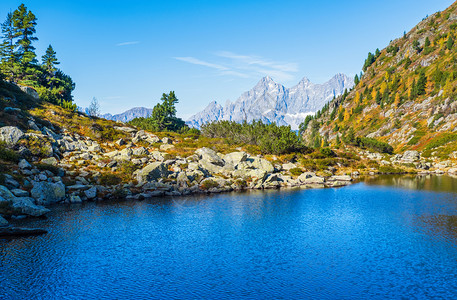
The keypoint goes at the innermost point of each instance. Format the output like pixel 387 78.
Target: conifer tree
pixel 450 42
pixel 421 84
pixel 8 57
pixel 378 98
pixel 356 79
pixel 49 60
pixel 24 22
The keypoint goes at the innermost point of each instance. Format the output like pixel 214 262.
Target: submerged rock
pixel 17 231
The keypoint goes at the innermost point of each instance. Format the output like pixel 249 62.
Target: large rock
pixel 340 178
pixel 50 161
pixel 210 167
pixel 152 172
pixel 46 193
pixel 3 222
pixel 23 164
pixel 91 193
pixel 6 194
pixel 10 135
pixel 235 158
pixel 262 164
pixel 29 91
pixel 310 178
pixel 411 155
pixel 25 206
pixel 209 155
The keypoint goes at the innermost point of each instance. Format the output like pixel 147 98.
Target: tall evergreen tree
pixel 49 60
pixel 7 47
pixel 25 21
pixel 356 79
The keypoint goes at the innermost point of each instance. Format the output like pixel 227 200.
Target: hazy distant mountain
pixel 130 114
pixel 271 102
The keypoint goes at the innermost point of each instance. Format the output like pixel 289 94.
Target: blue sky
pixel 127 53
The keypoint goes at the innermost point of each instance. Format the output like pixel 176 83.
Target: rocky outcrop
pixel 25 206
pixel 46 193
pixel 152 172
pixel 10 135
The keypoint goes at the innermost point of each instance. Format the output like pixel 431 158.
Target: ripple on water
pixel 362 241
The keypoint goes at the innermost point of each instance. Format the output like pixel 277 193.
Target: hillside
pixel 270 102
pixel 406 95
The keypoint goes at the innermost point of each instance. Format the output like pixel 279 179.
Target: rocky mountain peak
pixel 272 102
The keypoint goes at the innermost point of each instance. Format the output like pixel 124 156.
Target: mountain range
pixel 129 115
pixel 272 102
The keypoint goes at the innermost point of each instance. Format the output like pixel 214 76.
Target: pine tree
pixel 450 42
pixel 337 140
pixel 413 91
pixel 356 79
pixel 378 98
pixel 24 22
pixel 421 84
pixel 8 58
pixel 427 42
pixel 49 60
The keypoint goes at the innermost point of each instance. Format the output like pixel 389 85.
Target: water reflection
pixel 435 183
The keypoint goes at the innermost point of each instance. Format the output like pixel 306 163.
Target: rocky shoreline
pixel 74 170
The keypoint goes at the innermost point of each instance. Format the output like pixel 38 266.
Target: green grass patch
pixel 441 140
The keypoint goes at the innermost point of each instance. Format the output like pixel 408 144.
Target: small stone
pixel 49 161
pixel 91 193
pixel 23 164
pixel 20 193
pixel 3 222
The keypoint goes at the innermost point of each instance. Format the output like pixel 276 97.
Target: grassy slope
pixel 402 121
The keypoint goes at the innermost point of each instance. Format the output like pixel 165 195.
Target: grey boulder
pixel 46 193
pixel 10 135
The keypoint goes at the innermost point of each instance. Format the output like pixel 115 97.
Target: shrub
pixel 327 152
pixel 8 154
pixel 441 140
pixel 374 145
pixel 296 171
pixel 46 167
pixel 208 184
pixel 390 170
pixel 271 138
pixel 109 179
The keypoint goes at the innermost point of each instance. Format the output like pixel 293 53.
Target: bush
pixel 296 171
pixel 441 140
pixel 327 152
pixel 208 184
pixel 8 154
pixel 271 138
pixel 390 170
pixel 374 145
pixel 45 167
pixel 109 179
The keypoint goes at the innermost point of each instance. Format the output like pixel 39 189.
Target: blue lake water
pixel 391 237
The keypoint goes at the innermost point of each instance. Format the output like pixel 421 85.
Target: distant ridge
pixel 272 102
pixel 136 112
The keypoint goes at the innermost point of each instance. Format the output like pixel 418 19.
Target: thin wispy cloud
pixel 196 61
pixel 127 43
pixel 246 66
